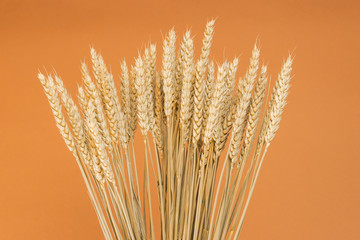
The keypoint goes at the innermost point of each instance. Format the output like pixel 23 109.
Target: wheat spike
pixel 207 41
pixel 75 121
pixel 104 84
pixel 53 98
pixel 278 100
pixel 179 73
pixel 198 100
pixel 219 100
pixel 119 114
pixel 125 93
pixel 149 64
pixel 100 116
pixel 168 72
pixel 142 106
pixel 226 117
pixel 159 113
pixel 209 89
pixel 186 98
pixel 213 124
pixel 82 100
pixel 102 164
pixel 254 113
pixel 87 80
pixel 245 88
pixel 199 86
pixel 133 103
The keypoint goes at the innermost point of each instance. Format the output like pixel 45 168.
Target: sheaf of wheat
pixel 187 110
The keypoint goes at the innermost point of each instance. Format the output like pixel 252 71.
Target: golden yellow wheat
pixel 190 111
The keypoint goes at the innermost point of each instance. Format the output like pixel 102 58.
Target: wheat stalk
pixel 190 110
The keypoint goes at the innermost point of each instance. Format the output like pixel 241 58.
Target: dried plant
pixel 189 111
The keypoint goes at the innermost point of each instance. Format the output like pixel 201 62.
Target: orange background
pixel 309 184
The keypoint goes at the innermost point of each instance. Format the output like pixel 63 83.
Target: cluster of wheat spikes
pixel 190 113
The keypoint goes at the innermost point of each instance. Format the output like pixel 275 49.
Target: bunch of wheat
pixel 190 113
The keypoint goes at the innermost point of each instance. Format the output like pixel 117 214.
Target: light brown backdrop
pixel 309 184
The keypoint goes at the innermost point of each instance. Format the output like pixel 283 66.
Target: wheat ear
pixel 278 103
pixel 53 98
pixel 254 113
pixel 186 98
pixel 168 72
pixel 75 121
pixel 245 88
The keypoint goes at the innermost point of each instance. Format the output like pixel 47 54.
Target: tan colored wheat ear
pixel 186 111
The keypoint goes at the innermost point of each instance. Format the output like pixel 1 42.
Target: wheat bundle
pixel 186 112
